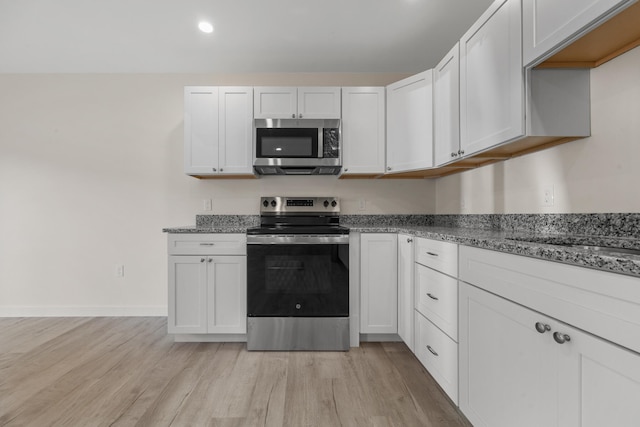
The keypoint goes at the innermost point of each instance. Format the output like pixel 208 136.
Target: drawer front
pixel 207 244
pixel 436 297
pixel 441 256
pixel 439 354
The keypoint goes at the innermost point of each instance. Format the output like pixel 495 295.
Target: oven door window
pixel 287 142
pixel 298 280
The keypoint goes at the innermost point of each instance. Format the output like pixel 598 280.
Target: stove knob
pixel 334 203
pixel 273 203
pixel 326 203
pixel 265 203
pixel 298 306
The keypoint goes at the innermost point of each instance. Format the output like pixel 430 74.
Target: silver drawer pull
pixel 432 350
pixel 432 297
pixel 207 244
pixel 432 254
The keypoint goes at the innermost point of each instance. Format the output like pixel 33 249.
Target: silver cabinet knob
pixel 561 338
pixel 346 169
pixel 201 259
pixel 453 154
pixel 293 116
pixel 432 297
pixel 542 327
pixel 214 169
pixel 221 169
pixel 210 260
pixel 409 240
pixel 460 152
pixel 300 115
pixel 388 168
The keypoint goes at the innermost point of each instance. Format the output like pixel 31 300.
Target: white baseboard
pixel 79 311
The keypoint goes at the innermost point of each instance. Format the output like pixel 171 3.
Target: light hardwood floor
pixel 128 371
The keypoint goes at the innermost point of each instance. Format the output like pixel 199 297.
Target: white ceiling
pixel 251 36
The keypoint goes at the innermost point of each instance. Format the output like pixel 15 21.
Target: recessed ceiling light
pixel 205 27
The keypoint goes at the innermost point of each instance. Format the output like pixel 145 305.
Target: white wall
pixel 91 171
pixel 594 175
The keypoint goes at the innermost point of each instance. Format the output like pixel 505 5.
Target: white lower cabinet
pixel 379 283
pixel 520 367
pixel 207 291
pixel 438 353
pixel 405 289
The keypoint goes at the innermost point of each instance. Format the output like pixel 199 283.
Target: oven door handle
pixel 298 239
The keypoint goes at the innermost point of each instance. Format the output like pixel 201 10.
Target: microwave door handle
pixel 320 142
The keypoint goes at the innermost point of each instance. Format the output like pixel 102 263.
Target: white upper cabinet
pixel 550 25
pixel 446 108
pixel 410 123
pixel 363 130
pixel 218 130
pixel 235 130
pixel 297 102
pixel 492 79
pixel 200 129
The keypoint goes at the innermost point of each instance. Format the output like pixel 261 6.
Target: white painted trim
pixel 82 311
pixel 210 337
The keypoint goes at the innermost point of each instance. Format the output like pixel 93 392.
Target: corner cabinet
pixel 207 285
pixel 410 123
pixel 550 25
pixel 297 102
pixel 379 283
pixel 218 131
pixel 543 344
pixel 492 79
pixel 363 131
pixel 446 108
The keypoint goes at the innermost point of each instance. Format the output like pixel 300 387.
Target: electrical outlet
pixel 362 204
pixel 119 270
pixel 207 205
pixel 547 196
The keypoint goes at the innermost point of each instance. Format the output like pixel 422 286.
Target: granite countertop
pixel 551 247
pixel 237 228
pixel 548 246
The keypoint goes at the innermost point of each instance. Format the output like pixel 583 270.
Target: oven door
pixel 298 276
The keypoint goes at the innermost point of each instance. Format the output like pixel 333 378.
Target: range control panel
pixel 279 205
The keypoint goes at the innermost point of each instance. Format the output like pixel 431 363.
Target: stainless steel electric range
pixel 298 276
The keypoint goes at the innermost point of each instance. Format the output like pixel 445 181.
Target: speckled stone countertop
pixel 550 237
pixel 551 247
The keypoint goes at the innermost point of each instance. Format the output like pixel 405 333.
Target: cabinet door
pixel 363 130
pixel 508 370
pixel 492 79
pixel 200 130
pixel 379 283
pixel 275 102
pixel 319 102
pixel 405 289
pixel 236 130
pixel 550 25
pixel 446 108
pixel 187 295
pixel 410 123
pixel 599 382
pixel 227 294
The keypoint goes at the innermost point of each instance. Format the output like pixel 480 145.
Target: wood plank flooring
pixel 129 372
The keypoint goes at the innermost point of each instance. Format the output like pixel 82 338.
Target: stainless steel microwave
pixel 297 147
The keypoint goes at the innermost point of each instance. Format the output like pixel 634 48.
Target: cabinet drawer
pixel 436 297
pixel 439 354
pixel 441 256
pixel 207 244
